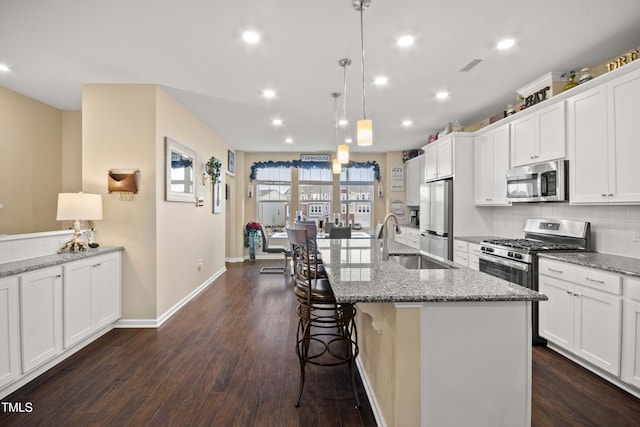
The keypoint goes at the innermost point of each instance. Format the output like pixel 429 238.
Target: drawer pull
pixel 58 276
pixel 594 280
pixel 570 293
pixel 555 271
pixel 97 265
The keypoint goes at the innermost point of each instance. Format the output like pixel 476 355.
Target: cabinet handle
pixel 603 195
pixel 610 194
pixel 58 276
pixel 570 293
pixel 555 271
pixel 97 265
pixel 594 280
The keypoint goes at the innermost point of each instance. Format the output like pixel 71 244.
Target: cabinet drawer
pixel 460 245
pixel 584 276
pixel 461 258
pixel 474 249
pixel 474 262
pixel 632 288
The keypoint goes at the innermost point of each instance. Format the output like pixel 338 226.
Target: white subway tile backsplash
pixel 618 213
pixel 15 248
pixel 633 213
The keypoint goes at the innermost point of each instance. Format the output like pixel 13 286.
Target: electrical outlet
pixel 200 265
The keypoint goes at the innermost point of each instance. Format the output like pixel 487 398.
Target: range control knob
pixel 510 254
pixel 517 256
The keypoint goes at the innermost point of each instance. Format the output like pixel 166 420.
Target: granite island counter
pixel 438 346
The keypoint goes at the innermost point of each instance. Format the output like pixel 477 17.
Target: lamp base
pixel 76 244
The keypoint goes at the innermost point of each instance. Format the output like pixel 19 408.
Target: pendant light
pixel 364 126
pixel 343 149
pixel 337 166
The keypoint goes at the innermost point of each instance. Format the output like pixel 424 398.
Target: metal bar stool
pixel 273 249
pixel 326 333
pixel 317 267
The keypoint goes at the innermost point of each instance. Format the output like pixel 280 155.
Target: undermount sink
pixel 419 262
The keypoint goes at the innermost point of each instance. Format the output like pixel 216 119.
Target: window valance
pixel 308 165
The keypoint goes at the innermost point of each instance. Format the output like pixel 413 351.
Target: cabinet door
pixel 483 163
pixel 556 314
pixel 9 331
pixel 523 141
pixel 551 133
pixel 631 342
pixel 598 328
pixel 77 301
pixel 40 316
pixel 624 148
pixel 499 164
pixel 105 290
pixel 445 158
pixel 412 169
pixel 587 134
pixel 430 162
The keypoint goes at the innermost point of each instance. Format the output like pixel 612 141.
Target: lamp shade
pixel 343 153
pixel 365 133
pixel 74 206
pixel 337 167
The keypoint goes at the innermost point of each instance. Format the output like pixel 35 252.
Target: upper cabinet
pixel 439 159
pixel 539 136
pixel 414 177
pixel 603 143
pixel 491 160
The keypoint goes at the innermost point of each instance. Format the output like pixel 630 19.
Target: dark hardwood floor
pixel 228 359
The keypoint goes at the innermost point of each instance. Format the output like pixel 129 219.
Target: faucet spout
pixel 385 225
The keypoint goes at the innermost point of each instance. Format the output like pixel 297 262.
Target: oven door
pixel 512 271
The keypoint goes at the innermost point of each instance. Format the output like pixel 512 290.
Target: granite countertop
pixel 358 273
pixel 26 265
pixel 607 262
pixel 475 239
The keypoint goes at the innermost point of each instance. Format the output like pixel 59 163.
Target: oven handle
pixel 514 264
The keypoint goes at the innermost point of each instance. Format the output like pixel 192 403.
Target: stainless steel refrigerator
pixel 436 218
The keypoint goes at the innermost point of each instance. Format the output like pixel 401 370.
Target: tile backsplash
pixel 24 246
pixel 614 229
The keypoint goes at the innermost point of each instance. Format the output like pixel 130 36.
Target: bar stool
pixel 326 333
pixel 317 265
pixel 273 249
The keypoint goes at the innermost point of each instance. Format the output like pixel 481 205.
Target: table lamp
pixel 76 207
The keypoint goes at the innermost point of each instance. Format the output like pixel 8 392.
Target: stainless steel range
pixel 516 260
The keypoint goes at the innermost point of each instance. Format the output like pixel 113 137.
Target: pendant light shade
pixel 365 127
pixel 337 167
pixel 343 154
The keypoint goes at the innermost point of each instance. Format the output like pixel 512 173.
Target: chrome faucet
pixel 385 225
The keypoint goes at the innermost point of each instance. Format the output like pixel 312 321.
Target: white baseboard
pixel 375 406
pixel 155 323
pixel 241 259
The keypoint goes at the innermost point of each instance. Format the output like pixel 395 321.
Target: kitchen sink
pixel 419 262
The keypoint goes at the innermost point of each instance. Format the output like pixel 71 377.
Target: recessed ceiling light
pixel 381 80
pixel 288 140
pixel 4 67
pixel 276 122
pixel 405 41
pixel 269 93
pixel 505 44
pixel 343 122
pixel 442 95
pixel 348 140
pixel 407 123
pixel 251 37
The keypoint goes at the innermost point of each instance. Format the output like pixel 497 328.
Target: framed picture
pixel 231 162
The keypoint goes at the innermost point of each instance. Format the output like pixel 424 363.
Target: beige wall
pixel 30 163
pixel 71 151
pixel 124 127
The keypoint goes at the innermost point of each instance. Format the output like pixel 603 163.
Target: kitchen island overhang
pixel 447 346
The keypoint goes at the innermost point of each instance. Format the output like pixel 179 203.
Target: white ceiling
pixel 193 48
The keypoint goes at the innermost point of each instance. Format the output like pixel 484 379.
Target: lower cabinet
pixel 584 312
pixel 91 296
pixel 9 331
pixel 631 333
pixel 409 236
pixel 466 253
pixel 40 316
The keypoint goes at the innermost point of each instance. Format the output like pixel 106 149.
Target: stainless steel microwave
pixel 540 182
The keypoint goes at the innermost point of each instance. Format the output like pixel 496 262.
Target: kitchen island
pixel 441 345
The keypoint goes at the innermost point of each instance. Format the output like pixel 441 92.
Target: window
pixel 356 197
pixel 273 195
pixel 315 187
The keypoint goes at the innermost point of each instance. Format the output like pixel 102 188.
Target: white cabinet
pixel 40 316
pixel 491 160
pixel 409 236
pixel 602 139
pixel 439 159
pixel 91 296
pixel 466 253
pixel 631 333
pixel 583 313
pixel 9 331
pixel 413 175
pixel 539 136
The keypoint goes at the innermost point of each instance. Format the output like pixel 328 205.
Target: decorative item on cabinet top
pixel 124 182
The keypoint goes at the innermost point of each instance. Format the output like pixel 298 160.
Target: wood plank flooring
pixel 228 359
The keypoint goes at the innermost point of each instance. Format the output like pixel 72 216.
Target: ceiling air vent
pixel 470 65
